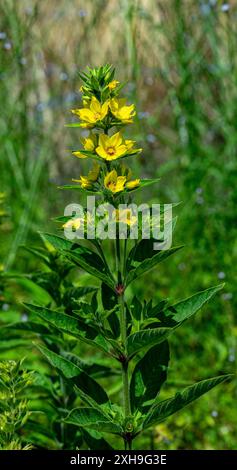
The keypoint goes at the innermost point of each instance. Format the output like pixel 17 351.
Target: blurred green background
pixel 180 63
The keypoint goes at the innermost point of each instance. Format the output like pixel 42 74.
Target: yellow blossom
pixel 133 184
pixel 78 154
pixel 121 111
pixel 111 148
pixel 129 144
pixel 74 224
pixel 92 113
pixel 113 182
pixel 89 143
pixel 86 181
pixel 112 85
pixel 125 216
pixel 94 172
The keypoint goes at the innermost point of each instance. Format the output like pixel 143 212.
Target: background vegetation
pixel 179 58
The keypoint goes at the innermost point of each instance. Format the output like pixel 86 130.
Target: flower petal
pixel 78 154
pixel 116 139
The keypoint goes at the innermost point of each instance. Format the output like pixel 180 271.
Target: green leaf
pixel 58 243
pixel 142 259
pixel 73 124
pixel 92 418
pixel 154 311
pixel 166 408
pixel 148 377
pixel 136 308
pixel 89 154
pixel 83 257
pixel 12 343
pixel 41 253
pixel 184 309
pixel 30 326
pixel 71 326
pixel 78 377
pixel 143 184
pixel 92 369
pixel 145 338
pixel 74 293
pixel 110 302
pixel 95 441
pixel 79 188
pixel 39 293
pixel 92 263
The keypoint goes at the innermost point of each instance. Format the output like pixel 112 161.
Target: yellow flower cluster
pixel 101 116
pixel 95 112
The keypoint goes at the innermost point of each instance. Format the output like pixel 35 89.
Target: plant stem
pixel 123 326
pixel 123 329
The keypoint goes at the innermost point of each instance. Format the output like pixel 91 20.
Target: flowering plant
pixel 131 333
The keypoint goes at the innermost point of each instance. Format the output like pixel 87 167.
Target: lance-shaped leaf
pixel 41 253
pixel 110 301
pixel 58 243
pixel 142 259
pixel 73 294
pixel 93 369
pixel 95 441
pixel 93 419
pixel 143 184
pixel 136 308
pixel 82 256
pixel 181 311
pixel 71 326
pixel 79 188
pixel 153 312
pixel 30 326
pixel 166 408
pixel 146 338
pixel 92 263
pixel 148 377
pixel 77 376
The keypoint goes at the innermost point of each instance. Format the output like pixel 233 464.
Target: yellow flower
pixel 94 172
pixel 129 144
pixel 121 111
pixel 112 85
pixel 125 216
pixel 86 181
pixel 78 154
pixel 113 182
pixel 111 148
pixel 93 113
pixel 133 184
pixel 74 224
pixel 89 144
